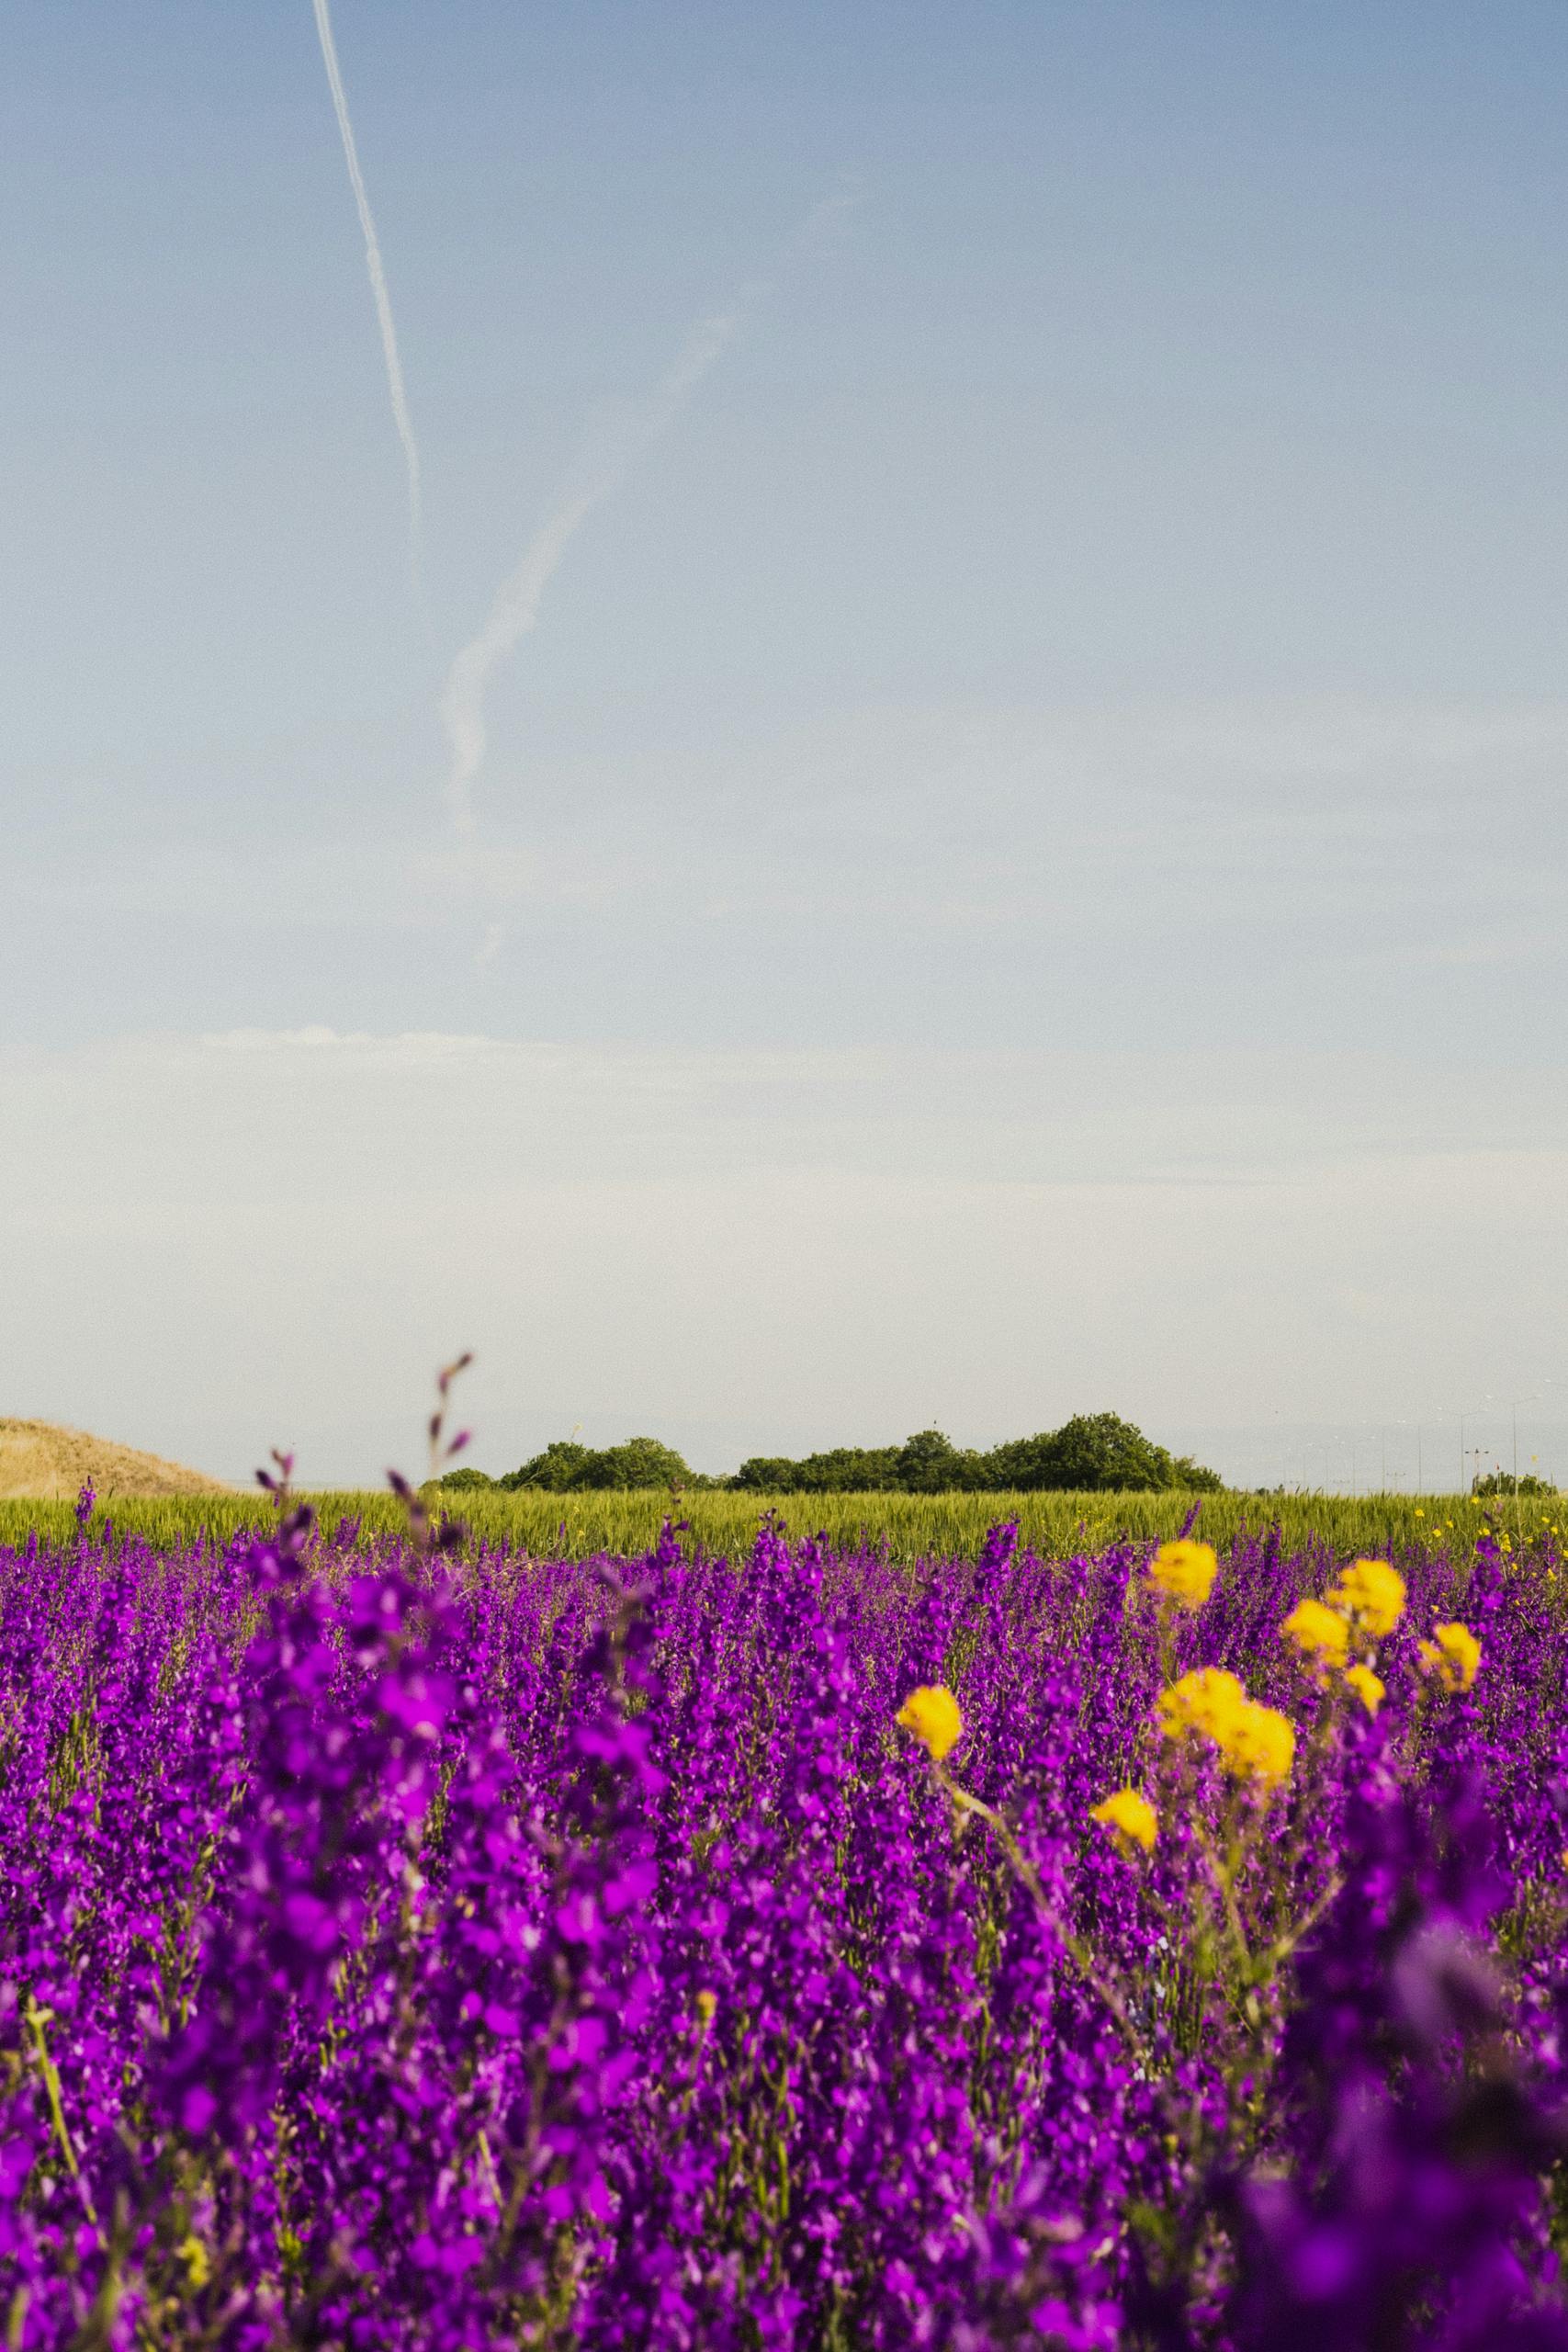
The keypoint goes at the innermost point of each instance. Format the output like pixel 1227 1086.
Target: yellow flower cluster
pixel 1367 1601
pixel 1369 1688
pixel 1131 1816
pixel 1317 1631
pixel 1255 1742
pixel 931 1713
pixel 1370 1596
pixel 1453 1654
pixel 1184 1571
pixel 1201 1700
pixel 1262 1744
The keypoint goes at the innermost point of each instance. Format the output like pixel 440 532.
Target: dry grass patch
pixel 39 1461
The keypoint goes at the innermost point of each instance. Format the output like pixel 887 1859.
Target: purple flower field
pixel 410 1947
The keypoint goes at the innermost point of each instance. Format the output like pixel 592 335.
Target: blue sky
pixel 1021 866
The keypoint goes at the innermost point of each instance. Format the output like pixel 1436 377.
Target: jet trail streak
pixel 378 280
pixel 516 607
pixel 599 473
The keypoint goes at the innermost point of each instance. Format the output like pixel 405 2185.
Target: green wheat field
pixel 905 1526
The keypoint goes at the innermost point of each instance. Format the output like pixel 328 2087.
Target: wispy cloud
pixel 401 416
pixel 599 472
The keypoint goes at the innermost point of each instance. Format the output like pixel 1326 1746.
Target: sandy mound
pixel 45 1463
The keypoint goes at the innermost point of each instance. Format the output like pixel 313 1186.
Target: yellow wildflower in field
pixel 1131 1816
pixel 1184 1571
pixel 1369 1688
pixel 931 1713
pixel 1453 1654
pixel 1260 1743
pixel 1371 1595
pixel 1204 1702
pixel 1255 1742
pixel 1316 1632
pixel 707 2002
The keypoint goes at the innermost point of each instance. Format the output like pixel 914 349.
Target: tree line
pixel 1091 1452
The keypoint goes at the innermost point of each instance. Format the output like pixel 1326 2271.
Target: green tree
pixel 930 1464
pixel 843 1470
pixel 1025 1465
pixel 1103 1453
pixel 1095 1452
pixel 1192 1479
pixel 640 1461
pixel 557 1471
pixel 769 1473
pixel 565 1468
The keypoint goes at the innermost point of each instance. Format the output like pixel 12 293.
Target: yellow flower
pixel 1371 1595
pixel 1369 1688
pixel 1202 1701
pixel 707 2002
pixel 1184 1572
pixel 1453 1654
pixel 1255 1742
pixel 1317 1631
pixel 1419 1512
pixel 1260 1743
pixel 931 1713
pixel 1131 1816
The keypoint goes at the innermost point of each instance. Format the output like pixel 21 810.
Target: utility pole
pixel 1465 1452
pixel 1514 1408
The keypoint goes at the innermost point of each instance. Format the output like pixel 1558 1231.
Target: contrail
pixel 598 474
pixel 401 417
pixel 516 606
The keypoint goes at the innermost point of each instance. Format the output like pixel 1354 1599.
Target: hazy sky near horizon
pixel 1021 864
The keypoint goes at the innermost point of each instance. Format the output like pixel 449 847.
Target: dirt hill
pixel 43 1462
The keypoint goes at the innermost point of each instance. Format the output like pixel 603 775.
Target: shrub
pixel 1094 1453
pixel 567 1467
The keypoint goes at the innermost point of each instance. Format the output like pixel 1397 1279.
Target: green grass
pixel 911 1525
